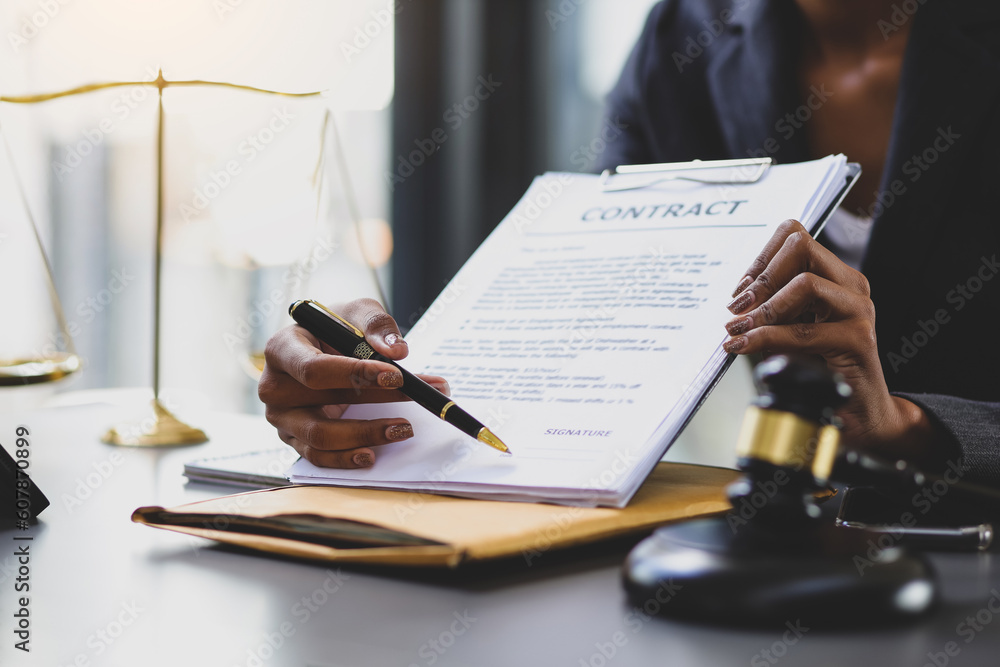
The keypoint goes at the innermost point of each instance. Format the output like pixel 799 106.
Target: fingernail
pixel 745 283
pixel 393 339
pixel 735 344
pixel 736 327
pixel 741 303
pixel 443 387
pixel 363 459
pixel 399 432
pixel 390 379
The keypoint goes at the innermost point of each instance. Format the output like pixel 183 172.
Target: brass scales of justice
pixel 161 428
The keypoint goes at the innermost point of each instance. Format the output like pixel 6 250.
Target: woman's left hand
pixel 798 297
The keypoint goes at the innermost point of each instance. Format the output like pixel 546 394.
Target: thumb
pixel 378 326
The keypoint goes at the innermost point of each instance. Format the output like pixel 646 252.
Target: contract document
pixel 585 331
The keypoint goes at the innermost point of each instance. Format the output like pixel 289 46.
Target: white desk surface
pixel 105 591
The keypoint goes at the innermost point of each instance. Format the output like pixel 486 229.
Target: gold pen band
pixel 363 351
pixel 447 406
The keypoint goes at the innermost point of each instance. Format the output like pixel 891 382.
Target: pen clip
pixel 358 332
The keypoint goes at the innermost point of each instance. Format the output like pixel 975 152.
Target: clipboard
pixel 753 170
pixel 853 174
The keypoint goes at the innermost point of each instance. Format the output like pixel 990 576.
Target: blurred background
pixel 443 110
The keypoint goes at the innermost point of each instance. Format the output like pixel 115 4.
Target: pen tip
pixel 487 436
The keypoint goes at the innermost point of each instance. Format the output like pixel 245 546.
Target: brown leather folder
pixel 351 525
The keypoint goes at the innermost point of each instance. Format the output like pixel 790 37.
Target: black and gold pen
pixel 347 339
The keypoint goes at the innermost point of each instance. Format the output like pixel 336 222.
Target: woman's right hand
pixel 306 386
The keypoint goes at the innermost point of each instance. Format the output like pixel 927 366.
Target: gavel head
pixel 789 438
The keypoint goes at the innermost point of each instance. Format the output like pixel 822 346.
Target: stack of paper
pixel 584 332
pixel 258 470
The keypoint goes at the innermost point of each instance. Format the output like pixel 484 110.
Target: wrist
pixel 910 435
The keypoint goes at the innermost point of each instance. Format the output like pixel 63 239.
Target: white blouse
pixel 846 235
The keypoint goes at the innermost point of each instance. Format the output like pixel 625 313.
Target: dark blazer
pixel 715 79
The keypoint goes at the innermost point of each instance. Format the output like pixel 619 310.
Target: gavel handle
pixel 852 467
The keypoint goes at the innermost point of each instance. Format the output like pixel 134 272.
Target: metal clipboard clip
pixel 748 170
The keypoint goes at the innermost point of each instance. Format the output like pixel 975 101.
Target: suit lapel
pixel 753 83
pixel 949 88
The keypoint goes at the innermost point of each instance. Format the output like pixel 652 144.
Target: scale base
pixel 159 428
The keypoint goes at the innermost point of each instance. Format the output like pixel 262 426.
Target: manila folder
pixel 354 525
